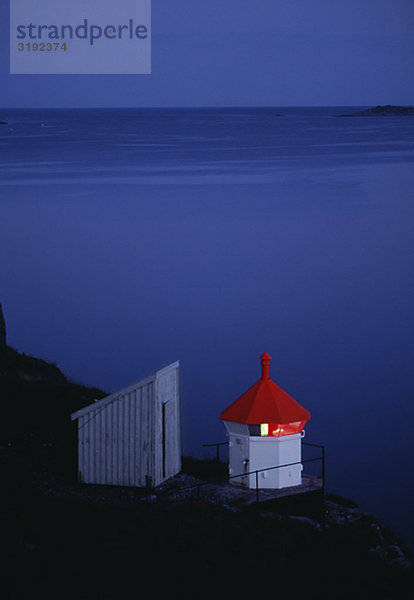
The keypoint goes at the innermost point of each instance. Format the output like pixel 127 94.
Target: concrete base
pixel 245 496
pixel 304 499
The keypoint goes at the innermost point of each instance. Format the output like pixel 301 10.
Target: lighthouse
pixel 265 427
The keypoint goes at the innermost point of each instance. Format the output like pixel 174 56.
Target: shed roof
pixel 112 397
pixel 265 402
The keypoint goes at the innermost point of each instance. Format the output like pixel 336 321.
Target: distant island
pixel 383 111
pixel 3 123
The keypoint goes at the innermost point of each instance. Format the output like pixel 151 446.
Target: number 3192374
pixel 42 46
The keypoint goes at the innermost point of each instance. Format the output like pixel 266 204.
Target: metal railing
pixel 217 444
pixel 257 471
pixel 322 459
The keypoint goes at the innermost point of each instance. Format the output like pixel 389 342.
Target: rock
pixel 392 555
pixel 401 563
pixel 380 552
pixel 395 551
pixel 305 520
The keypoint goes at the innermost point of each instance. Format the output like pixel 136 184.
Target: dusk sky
pixel 241 53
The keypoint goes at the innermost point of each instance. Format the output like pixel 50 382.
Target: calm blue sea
pixel 133 238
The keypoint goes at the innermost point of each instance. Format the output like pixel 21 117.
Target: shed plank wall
pixel 122 441
pixel 115 442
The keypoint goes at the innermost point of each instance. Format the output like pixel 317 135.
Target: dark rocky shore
pixel 383 111
pixel 62 538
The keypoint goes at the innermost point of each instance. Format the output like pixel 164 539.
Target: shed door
pixel 169 438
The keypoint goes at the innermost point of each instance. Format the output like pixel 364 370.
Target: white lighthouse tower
pixel 265 428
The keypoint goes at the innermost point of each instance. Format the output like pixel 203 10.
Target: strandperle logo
pixel 80 37
pixel 85 31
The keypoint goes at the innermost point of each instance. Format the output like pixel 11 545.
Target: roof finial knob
pixel 265 358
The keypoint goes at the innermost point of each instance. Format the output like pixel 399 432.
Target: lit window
pixel 264 429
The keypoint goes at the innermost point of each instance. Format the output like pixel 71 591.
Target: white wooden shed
pixel 132 437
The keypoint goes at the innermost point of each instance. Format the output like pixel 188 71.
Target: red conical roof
pixel 265 402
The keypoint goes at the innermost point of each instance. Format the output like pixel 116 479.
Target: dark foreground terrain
pixel 62 539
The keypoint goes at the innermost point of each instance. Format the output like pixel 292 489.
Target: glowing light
pixel 280 429
pixel 264 429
